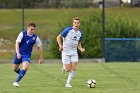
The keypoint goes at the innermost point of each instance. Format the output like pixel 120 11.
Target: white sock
pixel 71 75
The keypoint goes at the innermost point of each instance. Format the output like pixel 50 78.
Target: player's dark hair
pixel 31 24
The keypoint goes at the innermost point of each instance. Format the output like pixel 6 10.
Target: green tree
pixel 91 27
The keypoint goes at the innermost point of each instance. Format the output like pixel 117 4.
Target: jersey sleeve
pixel 19 38
pixel 81 36
pixel 38 42
pixel 65 32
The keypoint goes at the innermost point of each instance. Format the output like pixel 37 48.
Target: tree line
pixel 46 3
pixel 115 27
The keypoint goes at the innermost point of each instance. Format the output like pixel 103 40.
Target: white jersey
pixel 70 41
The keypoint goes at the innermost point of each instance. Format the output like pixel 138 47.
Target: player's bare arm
pixel 40 55
pixel 59 41
pixel 17 50
pixel 80 47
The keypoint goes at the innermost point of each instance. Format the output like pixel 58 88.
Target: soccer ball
pixel 91 83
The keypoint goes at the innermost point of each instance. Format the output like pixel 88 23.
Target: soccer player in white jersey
pixel 71 38
pixel 24 44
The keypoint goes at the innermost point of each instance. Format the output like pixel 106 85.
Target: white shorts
pixel 66 59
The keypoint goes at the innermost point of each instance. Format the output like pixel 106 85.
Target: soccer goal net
pixel 122 49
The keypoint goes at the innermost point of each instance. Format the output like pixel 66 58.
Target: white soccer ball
pixel 91 83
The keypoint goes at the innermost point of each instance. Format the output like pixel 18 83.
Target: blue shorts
pixel 22 59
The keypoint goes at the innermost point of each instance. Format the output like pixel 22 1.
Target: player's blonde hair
pixel 76 18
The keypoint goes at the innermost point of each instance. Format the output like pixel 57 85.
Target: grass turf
pixel 48 78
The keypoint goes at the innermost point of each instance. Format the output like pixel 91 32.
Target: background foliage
pixel 47 4
pixel 115 27
pixel 119 22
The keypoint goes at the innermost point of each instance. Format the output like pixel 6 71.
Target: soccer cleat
pixel 63 70
pixel 16 84
pixel 68 86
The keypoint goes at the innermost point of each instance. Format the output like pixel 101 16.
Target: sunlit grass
pixel 48 78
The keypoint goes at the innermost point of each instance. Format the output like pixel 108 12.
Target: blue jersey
pixel 26 44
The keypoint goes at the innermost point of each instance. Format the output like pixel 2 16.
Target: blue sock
pixel 18 70
pixel 20 76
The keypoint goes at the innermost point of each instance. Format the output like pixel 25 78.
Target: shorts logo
pixel 28 58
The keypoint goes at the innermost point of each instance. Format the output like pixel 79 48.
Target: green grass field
pixel 48 78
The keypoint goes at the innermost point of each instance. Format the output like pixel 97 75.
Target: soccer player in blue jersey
pixel 24 44
pixel 71 38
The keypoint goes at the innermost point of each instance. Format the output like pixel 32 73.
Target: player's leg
pixel 71 73
pixel 68 68
pixel 66 63
pixel 16 64
pixel 63 68
pixel 25 66
pixel 21 73
pixel 74 60
pixel 16 68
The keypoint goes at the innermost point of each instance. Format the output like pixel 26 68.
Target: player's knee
pixel 68 70
pixel 74 69
pixel 25 69
pixel 14 69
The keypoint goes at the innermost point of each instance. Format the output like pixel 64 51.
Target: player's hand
pixel 61 48
pixel 82 50
pixel 40 61
pixel 18 55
